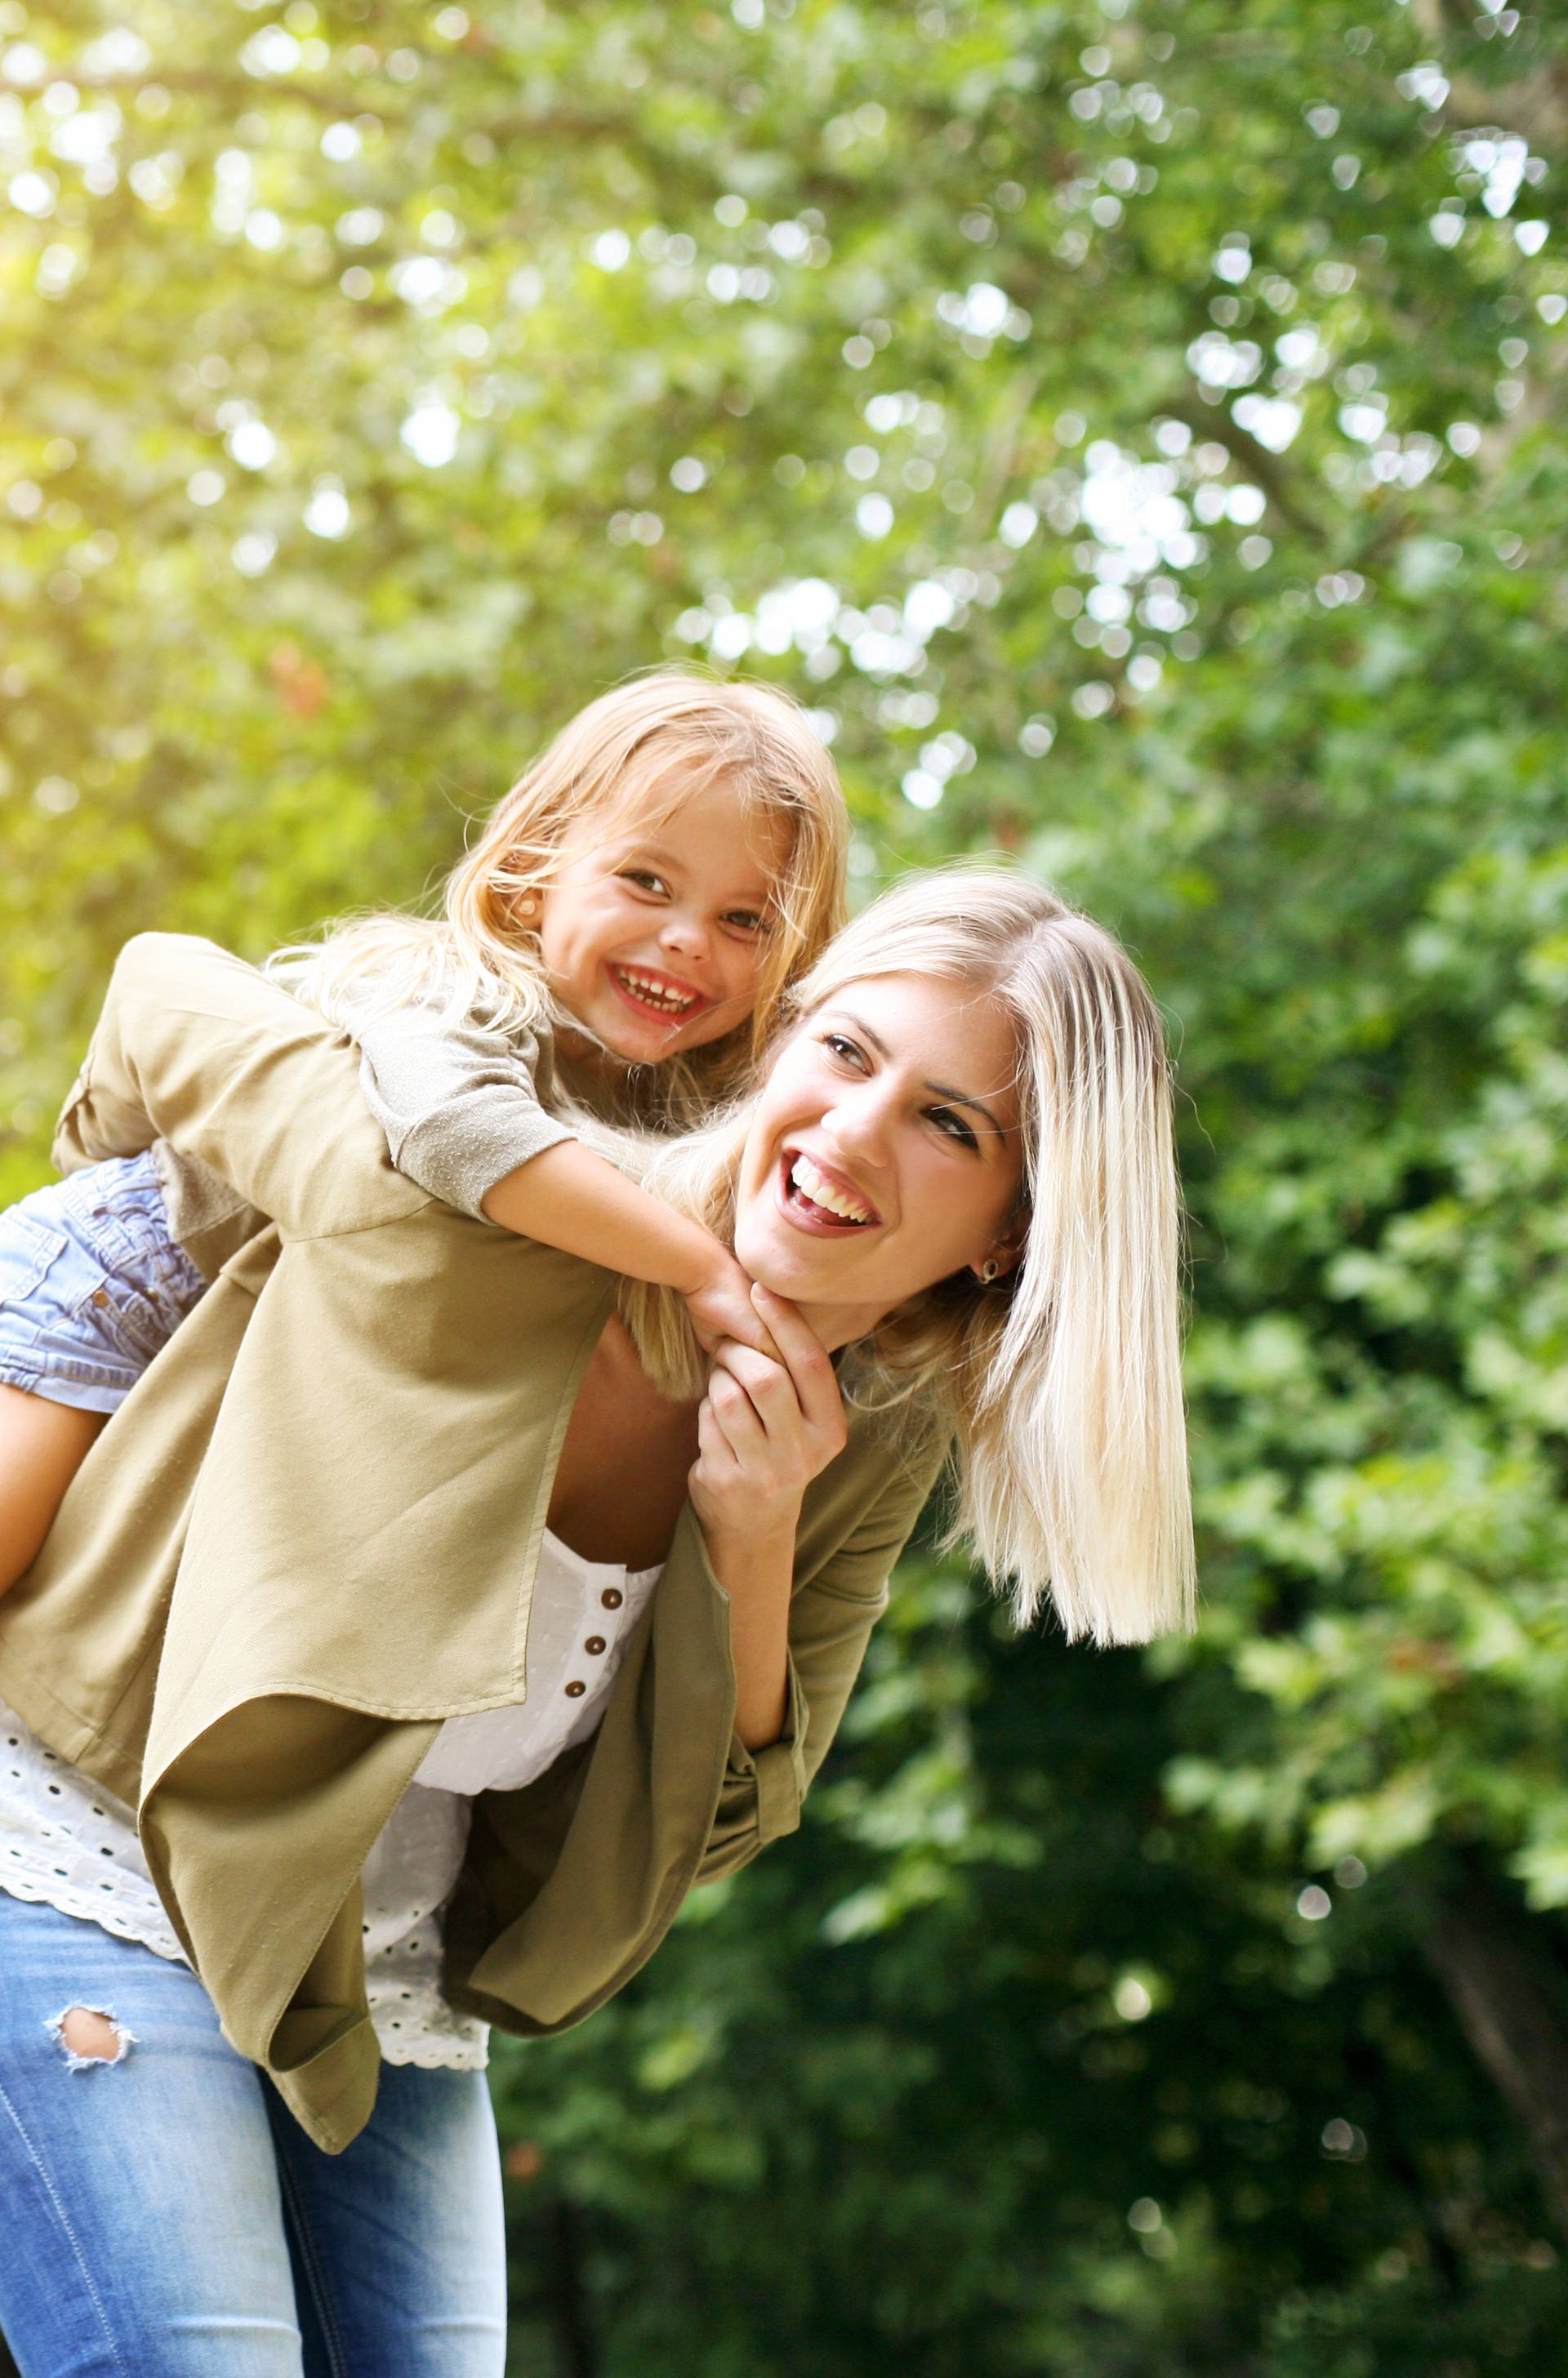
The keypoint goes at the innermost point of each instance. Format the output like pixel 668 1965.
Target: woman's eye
pixel 842 1048
pixel 953 1126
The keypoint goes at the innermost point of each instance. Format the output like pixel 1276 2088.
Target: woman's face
pixel 884 1152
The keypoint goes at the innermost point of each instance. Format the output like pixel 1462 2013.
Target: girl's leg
pixel 42 1447
pixel 399 2241
pixel 92 1286
pixel 143 2231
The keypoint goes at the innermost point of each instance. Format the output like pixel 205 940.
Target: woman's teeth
pixel 656 994
pixel 804 1176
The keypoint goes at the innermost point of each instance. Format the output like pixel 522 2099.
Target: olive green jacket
pixel 310 1535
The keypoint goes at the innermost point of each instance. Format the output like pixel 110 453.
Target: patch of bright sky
pixel 1140 524
pixel 430 432
pixel 252 445
pixel 88 136
pixel 327 514
pixel 1273 420
pixel 1502 165
pixel 428 283
pixel 1132 510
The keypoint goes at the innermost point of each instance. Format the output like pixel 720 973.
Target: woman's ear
pixel 1004 1253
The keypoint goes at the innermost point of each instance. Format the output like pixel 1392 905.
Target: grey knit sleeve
pixel 462 1103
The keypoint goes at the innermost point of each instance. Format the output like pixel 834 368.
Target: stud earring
pixel 990 1271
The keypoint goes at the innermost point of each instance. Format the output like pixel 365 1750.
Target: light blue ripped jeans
pixel 164 2216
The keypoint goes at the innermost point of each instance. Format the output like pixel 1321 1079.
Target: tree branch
pixel 1473 1943
pixel 1537 111
pixel 1213 421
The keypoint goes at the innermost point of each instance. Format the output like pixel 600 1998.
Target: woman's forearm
pixel 757 1573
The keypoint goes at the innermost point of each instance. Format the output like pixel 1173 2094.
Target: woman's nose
pixel 860 1125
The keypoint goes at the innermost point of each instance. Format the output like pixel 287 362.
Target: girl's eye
pixel 644 877
pixel 953 1126
pixel 746 920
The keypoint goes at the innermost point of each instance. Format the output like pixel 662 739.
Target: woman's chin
pixel 802 1284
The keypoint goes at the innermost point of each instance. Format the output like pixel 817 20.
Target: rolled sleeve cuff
pixel 461 1169
pixel 762 1791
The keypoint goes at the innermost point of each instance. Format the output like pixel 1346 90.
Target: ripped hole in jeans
pixel 90 2037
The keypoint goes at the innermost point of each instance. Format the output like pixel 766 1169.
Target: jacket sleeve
pixel 459 1101
pixel 197 1048
pixel 831 1617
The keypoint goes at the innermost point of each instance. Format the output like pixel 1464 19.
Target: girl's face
pixel 884 1152
pixel 652 939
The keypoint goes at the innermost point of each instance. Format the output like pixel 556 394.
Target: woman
pixel 306 1545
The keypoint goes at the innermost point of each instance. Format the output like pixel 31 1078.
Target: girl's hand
pixel 721 1306
pixel 765 1430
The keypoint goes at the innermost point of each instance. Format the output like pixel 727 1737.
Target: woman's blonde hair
pixel 1063 1380
pixel 637 751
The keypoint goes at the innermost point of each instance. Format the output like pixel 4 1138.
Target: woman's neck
pixel 838 1325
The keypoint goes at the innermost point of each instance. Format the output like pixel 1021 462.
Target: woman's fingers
pixel 717 1461
pixel 738 1419
pixel 712 1447
pixel 807 1359
pixel 767 1428
pixel 768 1384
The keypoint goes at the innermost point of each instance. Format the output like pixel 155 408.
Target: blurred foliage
pixel 1137 429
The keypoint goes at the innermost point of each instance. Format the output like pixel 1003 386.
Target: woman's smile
pixel 814 1197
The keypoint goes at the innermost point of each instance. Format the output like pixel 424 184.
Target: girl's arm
pixel 460 1102
pixel 571 1198
pixel 196 1047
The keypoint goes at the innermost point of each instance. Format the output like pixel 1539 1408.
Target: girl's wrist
pixel 702 1260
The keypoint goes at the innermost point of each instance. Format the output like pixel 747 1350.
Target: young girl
pixel 618 943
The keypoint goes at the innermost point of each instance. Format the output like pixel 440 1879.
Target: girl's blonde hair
pixel 1063 1380
pixel 637 751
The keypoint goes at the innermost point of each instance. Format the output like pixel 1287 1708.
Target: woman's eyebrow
pixel 941 1089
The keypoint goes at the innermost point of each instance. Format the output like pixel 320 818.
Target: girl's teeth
pixel 654 993
pixel 805 1177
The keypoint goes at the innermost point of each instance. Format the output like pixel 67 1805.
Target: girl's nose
pixel 685 935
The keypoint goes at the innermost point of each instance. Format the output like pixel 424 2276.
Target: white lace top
pixel 65 1840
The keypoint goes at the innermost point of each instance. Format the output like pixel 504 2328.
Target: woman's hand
pixel 765 1430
